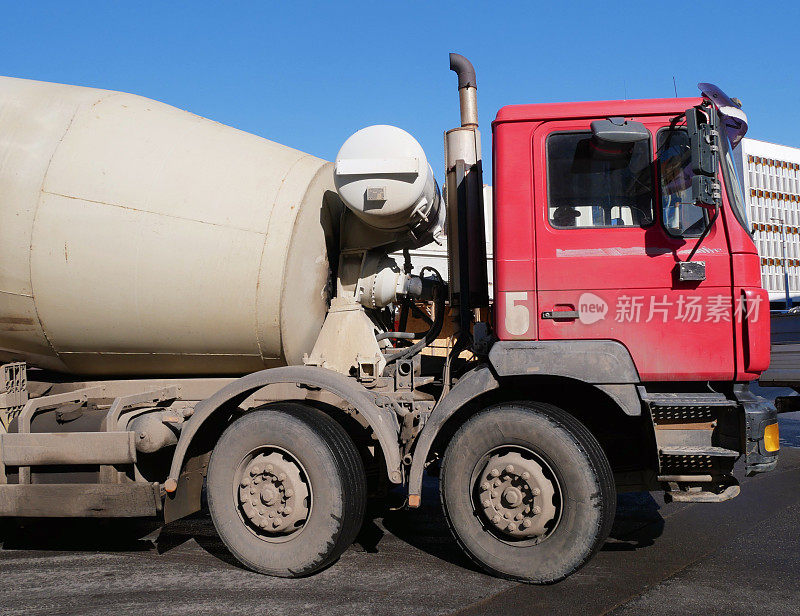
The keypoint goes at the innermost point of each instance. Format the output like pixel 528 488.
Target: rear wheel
pixel 286 490
pixel 527 491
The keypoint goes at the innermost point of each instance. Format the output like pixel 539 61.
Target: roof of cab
pixel 593 109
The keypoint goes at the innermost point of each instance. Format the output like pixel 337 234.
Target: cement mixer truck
pixel 187 307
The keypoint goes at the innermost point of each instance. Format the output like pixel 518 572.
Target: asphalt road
pixel 739 557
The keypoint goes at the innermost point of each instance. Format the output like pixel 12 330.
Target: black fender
pixel 605 364
pixel 383 422
pixel 591 361
pixel 473 384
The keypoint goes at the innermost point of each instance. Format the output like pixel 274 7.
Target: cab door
pixel 611 223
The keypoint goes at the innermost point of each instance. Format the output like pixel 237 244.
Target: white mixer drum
pixel 136 238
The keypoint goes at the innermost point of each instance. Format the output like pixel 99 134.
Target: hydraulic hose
pixel 432 333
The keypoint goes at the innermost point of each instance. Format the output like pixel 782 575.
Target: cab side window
pixel 597 186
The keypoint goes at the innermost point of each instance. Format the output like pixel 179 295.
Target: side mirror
pixel 619 130
pixel 704 148
pixel 701 139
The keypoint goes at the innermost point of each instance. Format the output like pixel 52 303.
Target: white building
pixel 770 176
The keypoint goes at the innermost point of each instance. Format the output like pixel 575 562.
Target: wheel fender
pixel 382 421
pixel 470 386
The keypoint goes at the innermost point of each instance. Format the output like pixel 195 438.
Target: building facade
pixel 770 176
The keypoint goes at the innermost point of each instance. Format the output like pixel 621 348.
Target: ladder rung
pixel 698 451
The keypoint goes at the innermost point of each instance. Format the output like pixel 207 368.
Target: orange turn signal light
pixel 771 438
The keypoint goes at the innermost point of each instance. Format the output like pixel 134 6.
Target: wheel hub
pixel 273 495
pixel 515 496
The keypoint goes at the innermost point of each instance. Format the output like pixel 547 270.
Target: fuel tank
pixel 140 239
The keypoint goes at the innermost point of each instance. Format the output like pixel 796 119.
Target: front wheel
pixel 286 490
pixel 527 491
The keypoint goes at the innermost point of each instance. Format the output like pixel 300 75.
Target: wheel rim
pixel 273 495
pixel 516 495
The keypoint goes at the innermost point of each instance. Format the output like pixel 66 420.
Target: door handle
pixel 560 314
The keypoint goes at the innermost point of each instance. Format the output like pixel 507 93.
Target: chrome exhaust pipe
pixel 467 89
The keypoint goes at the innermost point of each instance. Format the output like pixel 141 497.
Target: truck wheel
pixel 527 491
pixel 286 490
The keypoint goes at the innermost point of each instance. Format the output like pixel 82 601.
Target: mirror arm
pixel 703 234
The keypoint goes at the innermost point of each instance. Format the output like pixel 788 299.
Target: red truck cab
pixel 610 272
pixel 587 240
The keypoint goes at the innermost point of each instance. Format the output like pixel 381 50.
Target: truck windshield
pixel 682 217
pixel 732 184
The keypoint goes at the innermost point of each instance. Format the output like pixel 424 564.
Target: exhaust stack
pixel 466 234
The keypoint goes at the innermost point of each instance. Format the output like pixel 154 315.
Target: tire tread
pixel 346 460
pixel 586 441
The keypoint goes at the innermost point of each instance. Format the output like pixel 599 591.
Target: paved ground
pixel 739 557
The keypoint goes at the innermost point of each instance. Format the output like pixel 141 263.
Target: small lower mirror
pixel 705 191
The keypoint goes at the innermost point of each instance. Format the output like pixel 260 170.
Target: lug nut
pixel 485 485
pixel 487 503
pixel 269 468
pixel 512 527
pixel 245 482
pixel 287 511
pixel 256 470
pixel 536 491
pixel 289 493
pixel 494 472
pixel 526 523
pixel 537 510
pixel 282 477
pixel 510 468
pixel 496 483
pixel 496 519
pixel 518 517
pixel 526 475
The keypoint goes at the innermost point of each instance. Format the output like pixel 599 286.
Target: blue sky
pixel 309 74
